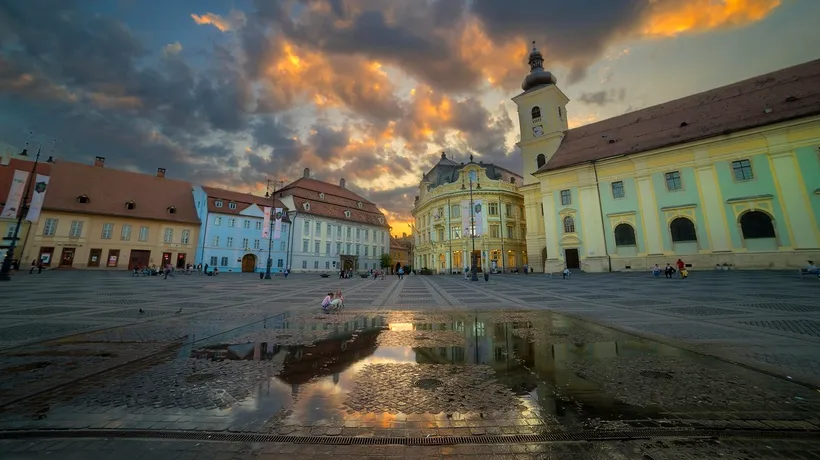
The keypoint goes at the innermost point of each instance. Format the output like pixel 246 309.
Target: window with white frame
pixel 316 247
pixel 231 222
pixel 304 264
pixel 256 244
pixel 329 230
pixel 305 244
pixel 566 197
pixel 742 170
pixel 318 229
pixel 327 264
pixel 216 242
pixel 229 242
pixel 169 235
pixel 218 203
pixel 224 262
pixel 327 248
pixel 315 264
pixel 213 260
pixel 569 224
pixel 618 189
pixel 246 224
pixel 348 249
pixel 259 225
pixel 366 247
pixel 673 181
pixel 358 246
pixel 338 248
pixel 366 234
pixel 358 234
pixel 245 243
pixel 307 228
pixel 280 263
pixel 217 220
pixel 125 233
pixel 143 233
pixel 347 232
pixel 107 230
pixel 186 237
pixel 339 231
pixel 231 205
pixel 76 230
pixel 282 245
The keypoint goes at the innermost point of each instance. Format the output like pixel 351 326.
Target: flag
pixel 266 223
pixel 18 186
pixel 277 226
pixel 479 217
pixel 465 218
pixel 40 185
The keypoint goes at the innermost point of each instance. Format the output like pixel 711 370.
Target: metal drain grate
pixel 601 435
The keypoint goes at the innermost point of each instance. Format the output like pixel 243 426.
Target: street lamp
pixel 272 197
pixel 292 218
pixel 473 261
pixel 5 269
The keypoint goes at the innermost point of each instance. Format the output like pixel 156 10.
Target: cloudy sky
pixel 229 93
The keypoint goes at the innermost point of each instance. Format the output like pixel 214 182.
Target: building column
pixel 649 216
pixel 713 208
pixel 800 220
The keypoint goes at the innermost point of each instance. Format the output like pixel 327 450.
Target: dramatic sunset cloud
pixel 366 90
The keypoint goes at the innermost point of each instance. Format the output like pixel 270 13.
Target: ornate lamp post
pixel 473 261
pixel 292 214
pixel 5 269
pixel 272 196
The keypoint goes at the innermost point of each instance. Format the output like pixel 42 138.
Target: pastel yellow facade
pixel 7 227
pixel 443 243
pixel 73 240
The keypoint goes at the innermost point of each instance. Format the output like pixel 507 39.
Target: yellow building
pixel 101 218
pixel 448 235
pixel 725 178
pixel 399 253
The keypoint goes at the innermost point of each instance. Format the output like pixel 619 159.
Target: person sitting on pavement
pixel 656 271
pixel 326 302
pixel 812 269
pixel 669 271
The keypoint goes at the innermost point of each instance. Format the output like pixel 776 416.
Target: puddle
pixel 400 373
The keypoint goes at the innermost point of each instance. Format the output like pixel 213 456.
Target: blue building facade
pixel 231 237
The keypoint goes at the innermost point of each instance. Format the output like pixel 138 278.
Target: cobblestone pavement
pixel 521 356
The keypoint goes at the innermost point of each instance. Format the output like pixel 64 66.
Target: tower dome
pixel 537 76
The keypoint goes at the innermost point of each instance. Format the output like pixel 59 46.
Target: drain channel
pixel 222 436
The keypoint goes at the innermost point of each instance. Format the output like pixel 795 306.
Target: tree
pixel 386 261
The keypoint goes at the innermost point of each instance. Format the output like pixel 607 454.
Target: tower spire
pixel 537 76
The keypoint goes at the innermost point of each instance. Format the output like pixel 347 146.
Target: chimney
pixel 161 173
pixel 306 174
pixel 99 161
pixel 342 182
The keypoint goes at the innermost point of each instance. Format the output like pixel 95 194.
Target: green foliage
pixel 386 261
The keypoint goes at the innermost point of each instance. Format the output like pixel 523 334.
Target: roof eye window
pixel 130 205
pixel 172 210
pixel 83 199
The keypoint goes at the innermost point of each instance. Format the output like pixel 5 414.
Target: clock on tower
pixel 537 130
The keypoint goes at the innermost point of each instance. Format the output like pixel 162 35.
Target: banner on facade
pixel 465 218
pixel 478 213
pixel 40 186
pixel 15 198
pixel 266 223
pixel 277 226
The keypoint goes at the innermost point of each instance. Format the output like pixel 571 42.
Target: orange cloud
pixel 500 64
pixel 669 19
pixel 235 19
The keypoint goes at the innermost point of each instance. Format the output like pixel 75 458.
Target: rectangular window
pixel 358 233
pixel 224 262
pixel 186 236
pixel 742 170
pixel 231 222
pixel 495 231
pixel 229 242
pixel 374 251
pixel 217 220
pixel 280 263
pixel 510 230
pixel 258 225
pixel 318 229
pixel 213 261
pixel 339 231
pixel 338 248
pixel 673 181
pixel 143 233
pixel 76 229
pixel 327 248
pixel 329 230
pixel 304 264
pixel 440 234
pixel 169 235
pixel 366 234
pixel 216 242
pixel 492 209
pixel 10 230
pixel 307 228
pixel 382 237
pixel 508 210
pixel 358 246
pixel 107 230
pixel 455 211
pixel 256 244
pixel 246 224
pixel 316 245
pixel 348 232
pixel 566 197
pixel 305 244
pixel 348 249
pixel 281 245
pixel 327 265
pixel 618 189
pixel 315 264
pixel 366 250
pixel 125 234
pixel 455 232
pixel 245 243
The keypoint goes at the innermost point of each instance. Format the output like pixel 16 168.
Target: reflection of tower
pixel 335 378
pixel 294 390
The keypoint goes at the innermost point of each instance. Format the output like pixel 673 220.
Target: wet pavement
pixel 245 370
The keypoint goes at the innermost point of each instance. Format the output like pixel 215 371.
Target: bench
pixel 804 271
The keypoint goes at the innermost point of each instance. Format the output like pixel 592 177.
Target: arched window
pixel 624 235
pixel 536 112
pixel 682 229
pixel 756 224
pixel 569 224
pixel 540 160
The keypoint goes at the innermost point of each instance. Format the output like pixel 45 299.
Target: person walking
pixel 401 273
pixel 33 266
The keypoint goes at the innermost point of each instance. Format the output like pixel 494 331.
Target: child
pixel 684 273
pixel 326 302
pixel 338 302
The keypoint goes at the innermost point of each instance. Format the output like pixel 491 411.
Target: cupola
pixel 537 76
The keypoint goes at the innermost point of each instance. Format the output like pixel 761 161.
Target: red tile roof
pixel 7 174
pixel 243 200
pixel 788 94
pixel 335 202
pixel 109 190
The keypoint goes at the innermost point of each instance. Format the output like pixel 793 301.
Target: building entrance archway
pixel 248 263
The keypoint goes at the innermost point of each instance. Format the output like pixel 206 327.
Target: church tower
pixel 542 119
pixel 542 116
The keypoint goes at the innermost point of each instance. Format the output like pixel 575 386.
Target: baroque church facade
pixel 728 178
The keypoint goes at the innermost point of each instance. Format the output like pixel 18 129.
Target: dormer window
pixel 321 195
pixel 306 206
pixel 359 204
pixel 218 203
pixel 381 220
pixel 130 205
pixel 347 213
pixel 231 205
pixel 172 210
pixel 83 199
